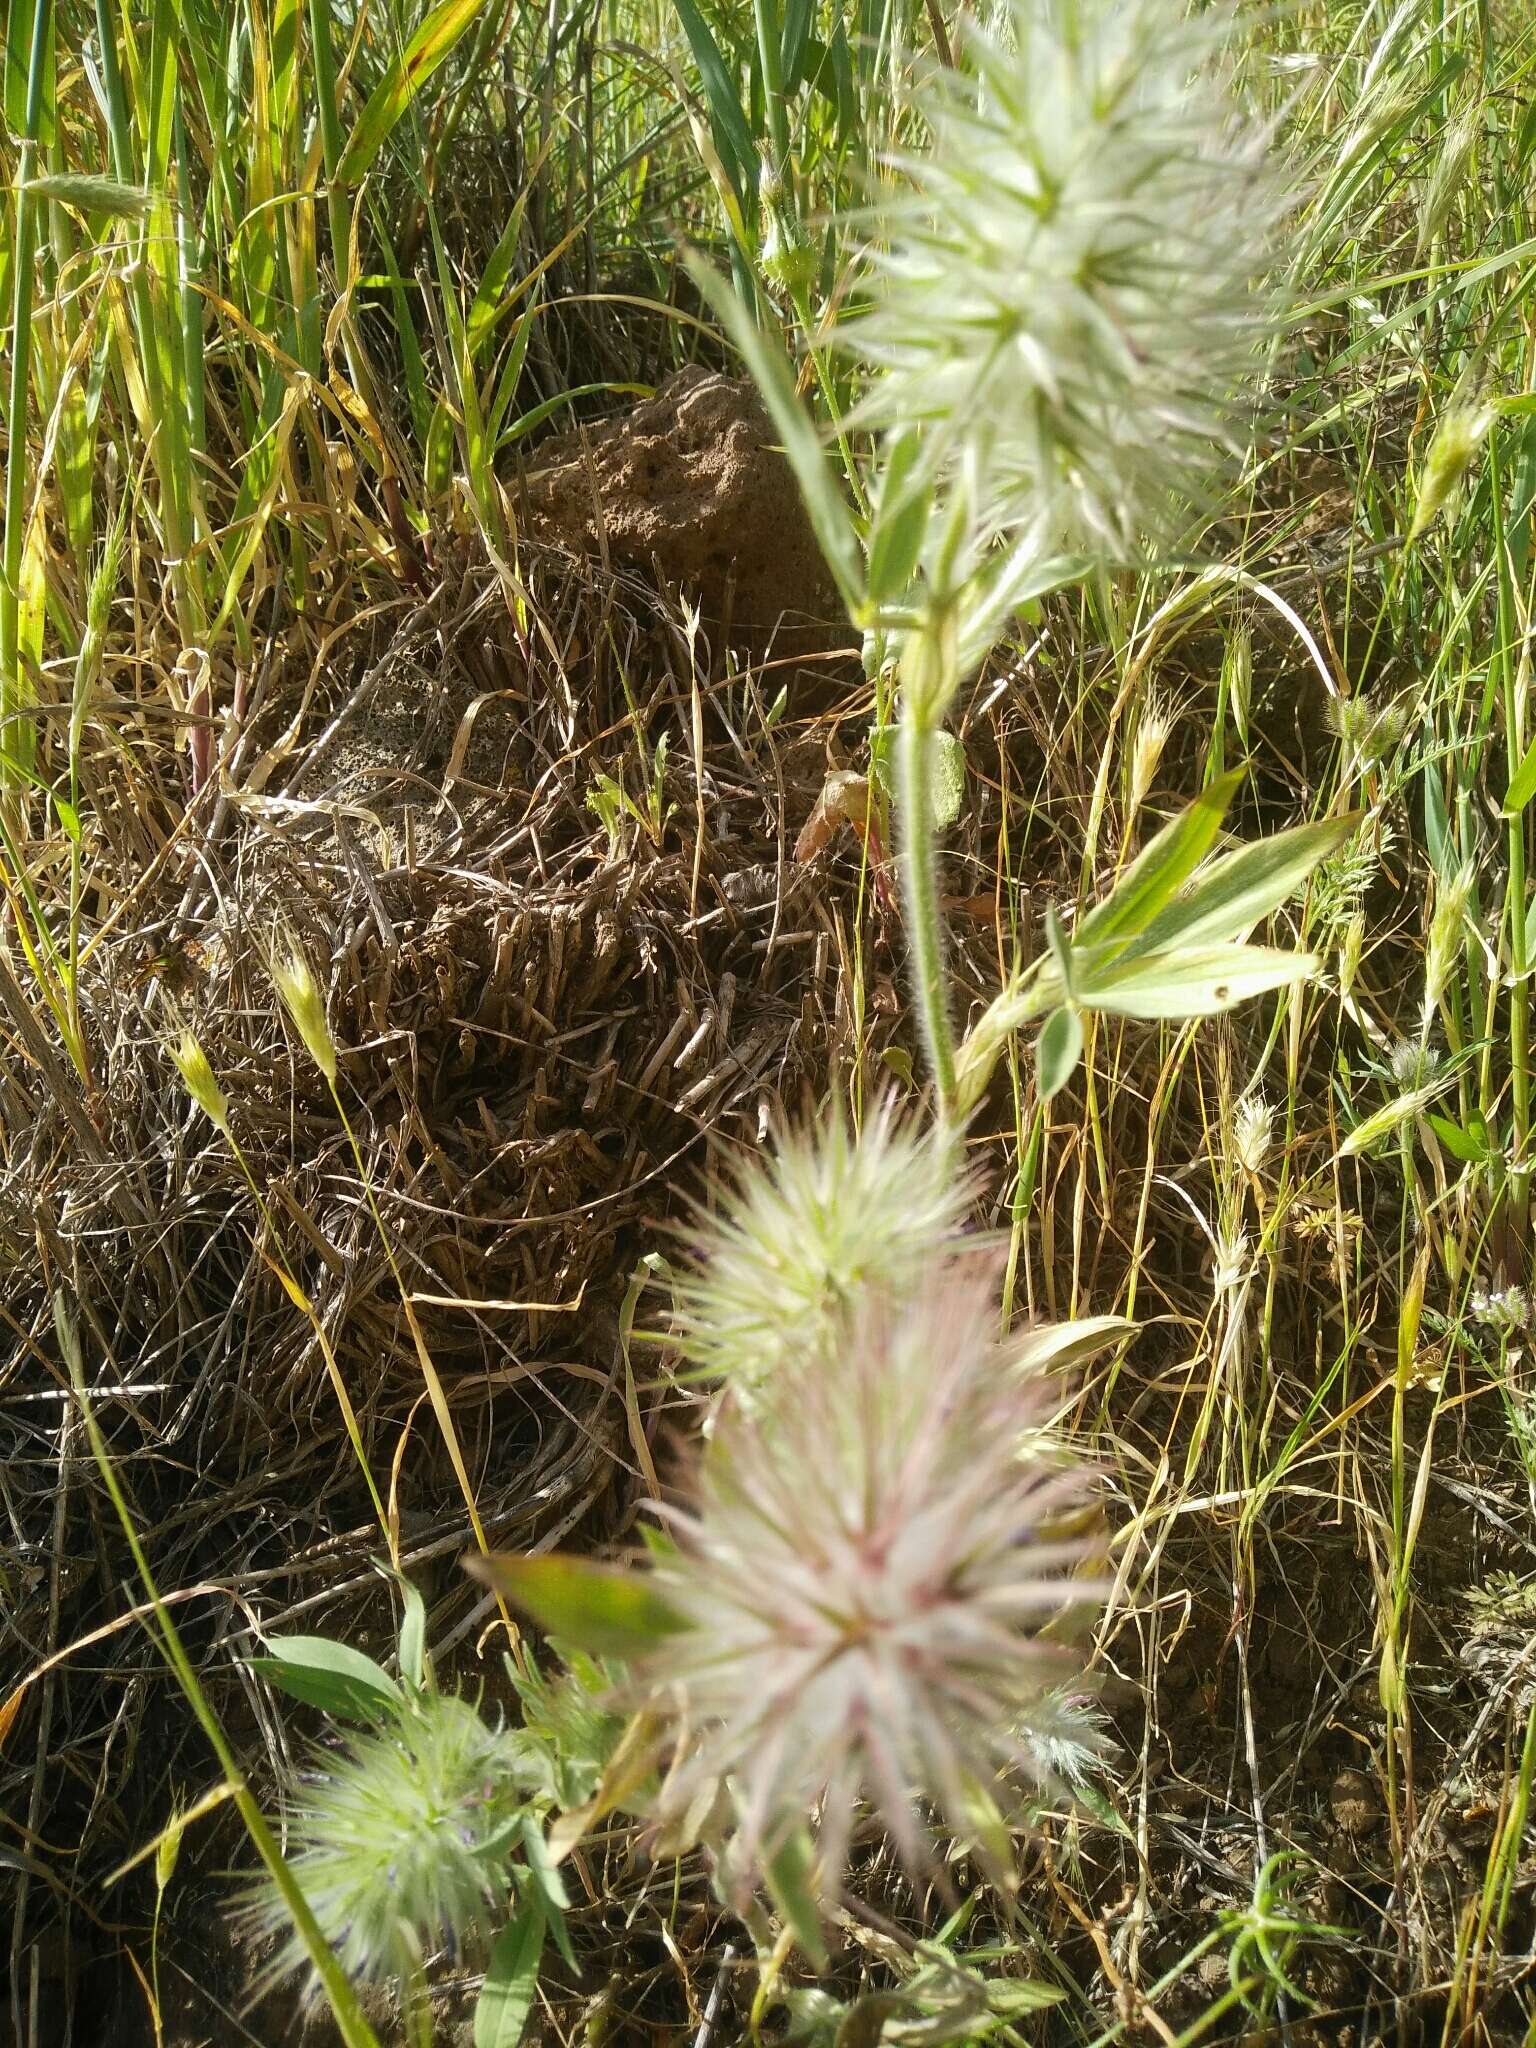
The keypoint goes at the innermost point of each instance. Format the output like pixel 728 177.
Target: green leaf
pixel 413 1636
pixel 1197 981
pixel 824 500
pixel 1015 1996
pixel 527 422
pixel 21 44
pixel 511 1979
pixel 798 43
pixel 1235 892
pixel 332 1676
pixel 1061 954
pixel 487 306
pixel 1522 785
pixel 901 520
pixel 545 1874
pixel 598 1607
pixel 1162 867
pixel 404 76
pixel 983 1823
pixel 1054 1347
pixel 733 135
pixel 1057 1051
pixel 787 1874
pixel 898 1061
pixel 946 791
pixel 1461 1143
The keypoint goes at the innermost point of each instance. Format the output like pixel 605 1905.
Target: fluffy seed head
pixel 1504 1310
pixel 809 1240
pixel 1370 731
pixel 877 1554
pixel 403 1841
pixel 1068 283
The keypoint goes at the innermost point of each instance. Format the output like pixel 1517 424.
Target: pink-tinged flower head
pixel 879 1548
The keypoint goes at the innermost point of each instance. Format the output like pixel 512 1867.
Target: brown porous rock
pixel 689 490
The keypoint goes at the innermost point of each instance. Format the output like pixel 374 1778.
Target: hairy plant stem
pixel 926 690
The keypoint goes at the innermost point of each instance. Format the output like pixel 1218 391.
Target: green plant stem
pixel 353 2026
pixel 1513 708
pixel 18 454
pixel 923 700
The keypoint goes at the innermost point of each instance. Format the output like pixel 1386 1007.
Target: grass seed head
pixel 1253 1133
pixel 196 1070
pixel 1447 934
pixel 294 980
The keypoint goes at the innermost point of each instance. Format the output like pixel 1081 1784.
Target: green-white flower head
pixel 403 1842
pixel 1068 282
pixel 809 1240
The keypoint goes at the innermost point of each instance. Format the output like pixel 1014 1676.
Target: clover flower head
pixel 1369 729
pixel 1414 1063
pixel 402 1842
pixel 805 1242
pixel 1068 283
pixel 873 1578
